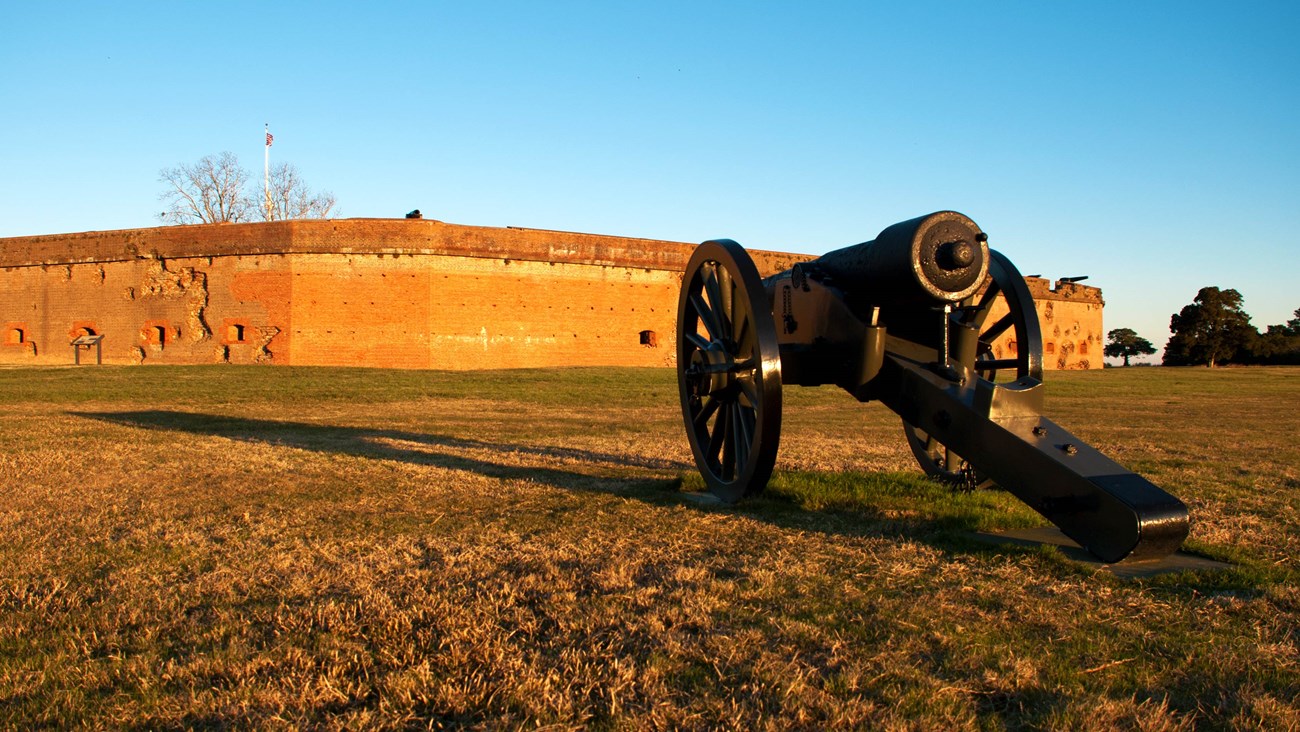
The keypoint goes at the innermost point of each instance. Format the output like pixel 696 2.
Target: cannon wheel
pixel 1008 286
pixel 728 370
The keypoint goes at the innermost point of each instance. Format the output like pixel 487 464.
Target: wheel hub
pixel 710 371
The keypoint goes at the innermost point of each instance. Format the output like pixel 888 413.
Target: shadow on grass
pixel 848 503
pixel 441 451
pixel 909 506
pixel 898 505
pixel 891 505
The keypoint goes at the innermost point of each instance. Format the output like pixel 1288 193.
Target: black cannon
pixel 908 319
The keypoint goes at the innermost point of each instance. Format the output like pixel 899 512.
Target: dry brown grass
pixel 341 549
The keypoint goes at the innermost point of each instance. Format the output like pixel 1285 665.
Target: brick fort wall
pixel 394 293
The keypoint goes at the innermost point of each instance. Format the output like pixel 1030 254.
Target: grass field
pixel 283 547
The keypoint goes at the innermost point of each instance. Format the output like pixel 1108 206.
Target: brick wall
pixel 381 292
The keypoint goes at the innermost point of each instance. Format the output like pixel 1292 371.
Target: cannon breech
pixel 909 319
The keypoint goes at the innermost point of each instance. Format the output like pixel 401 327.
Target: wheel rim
pixel 729 370
pixel 1006 290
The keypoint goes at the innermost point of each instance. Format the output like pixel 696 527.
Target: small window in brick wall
pixel 1049 348
pixel 649 338
pixel 157 333
pixel 235 333
pixel 15 337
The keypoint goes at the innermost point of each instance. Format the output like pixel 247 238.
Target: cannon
pixel 909 319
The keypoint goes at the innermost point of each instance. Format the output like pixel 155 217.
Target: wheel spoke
pixel 990 295
pixel 727 446
pixel 747 418
pixel 698 341
pixel 932 448
pixel 749 390
pixel 718 438
pixel 951 461
pixel 980 311
pixel 743 335
pixel 998 328
pixel 727 291
pixel 739 442
pixel 707 317
pixel 720 307
pixel 701 419
pixel 997 364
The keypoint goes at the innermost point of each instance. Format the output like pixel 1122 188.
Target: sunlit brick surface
pixel 390 293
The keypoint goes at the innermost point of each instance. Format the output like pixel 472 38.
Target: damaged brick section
pixel 259 343
pixel 262 354
pixel 185 283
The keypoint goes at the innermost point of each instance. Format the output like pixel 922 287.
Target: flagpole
pixel 266 171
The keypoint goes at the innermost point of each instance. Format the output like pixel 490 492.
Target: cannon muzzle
pixel 942 257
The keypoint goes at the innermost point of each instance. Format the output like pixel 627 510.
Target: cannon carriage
pixel 909 319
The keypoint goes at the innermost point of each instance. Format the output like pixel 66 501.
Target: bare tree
pixel 211 191
pixel 292 198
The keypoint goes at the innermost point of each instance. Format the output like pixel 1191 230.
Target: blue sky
pixel 1153 146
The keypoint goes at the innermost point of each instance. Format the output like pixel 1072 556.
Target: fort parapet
pixel 397 293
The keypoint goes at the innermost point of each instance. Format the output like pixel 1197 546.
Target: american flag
pixel 269 138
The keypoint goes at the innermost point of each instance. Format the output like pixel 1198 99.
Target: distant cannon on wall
pixel 905 319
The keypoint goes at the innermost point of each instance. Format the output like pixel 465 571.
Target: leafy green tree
pixel 1212 330
pixel 1125 343
pixel 1280 344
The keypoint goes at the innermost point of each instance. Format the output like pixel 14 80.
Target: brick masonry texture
pixel 393 293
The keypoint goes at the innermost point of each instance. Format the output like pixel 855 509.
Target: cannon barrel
pixel 939 258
